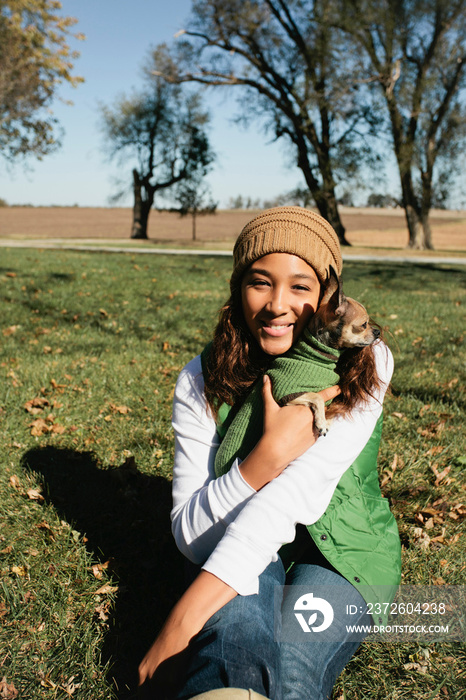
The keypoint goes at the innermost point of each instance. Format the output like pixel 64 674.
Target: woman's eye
pixel 301 288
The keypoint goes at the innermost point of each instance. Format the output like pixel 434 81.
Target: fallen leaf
pixel 96 570
pixel 7 690
pixel 14 481
pixel 40 427
pixel 107 588
pixel 414 666
pixel 457 512
pixel 441 539
pixel 119 409
pixel 103 611
pixel 35 406
pixel 435 450
pixel 10 330
pixel 55 384
pixel 440 475
pixel 70 686
pixel 35 495
pixel 421 538
pixel 19 571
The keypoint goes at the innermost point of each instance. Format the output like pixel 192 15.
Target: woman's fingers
pixel 267 396
pixel 330 393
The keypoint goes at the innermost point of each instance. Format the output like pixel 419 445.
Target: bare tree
pixel 415 56
pixel 162 131
pixel 191 196
pixel 295 75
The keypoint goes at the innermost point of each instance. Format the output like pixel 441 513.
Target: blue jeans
pixel 238 647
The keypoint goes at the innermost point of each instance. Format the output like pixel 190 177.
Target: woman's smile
pixel 279 293
pixel 277 330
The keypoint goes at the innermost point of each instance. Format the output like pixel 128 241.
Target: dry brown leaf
pixel 414 666
pixel 7 690
pixel 14 481
pixel 440 475
pixel 35 495
pixel 97 571
pixel 421 538
pixel 40 427
pixel 457 512
pixel 107 588
pixel 103 610
pixel 35 406
pixel 119 409
pixel 10 330
pixel 441 539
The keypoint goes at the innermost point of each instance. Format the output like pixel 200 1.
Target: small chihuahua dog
pixel 340 323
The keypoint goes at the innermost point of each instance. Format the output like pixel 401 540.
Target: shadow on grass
pixel 124 515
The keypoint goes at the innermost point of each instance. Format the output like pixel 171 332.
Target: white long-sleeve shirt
pixel 223 523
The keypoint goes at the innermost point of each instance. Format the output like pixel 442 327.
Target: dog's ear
pixel 333 295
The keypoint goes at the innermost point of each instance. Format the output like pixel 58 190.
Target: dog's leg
pixel 317 405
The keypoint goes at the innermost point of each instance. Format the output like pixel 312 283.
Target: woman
pixel 291 488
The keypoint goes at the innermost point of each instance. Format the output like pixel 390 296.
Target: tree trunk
pixel 324 196
pixel 141 208
pixel 413 212
pixel 427 231
pixel 194 224
pixel 333 216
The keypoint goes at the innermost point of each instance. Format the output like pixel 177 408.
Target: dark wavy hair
pixel 235 362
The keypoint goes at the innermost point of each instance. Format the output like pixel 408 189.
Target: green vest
pixel 357 534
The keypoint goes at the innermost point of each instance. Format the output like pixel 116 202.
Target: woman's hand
pixel 204 597
pixel 288 433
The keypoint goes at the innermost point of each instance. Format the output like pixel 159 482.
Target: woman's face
pixel 279 294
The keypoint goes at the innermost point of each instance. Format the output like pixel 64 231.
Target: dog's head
pixel 341 322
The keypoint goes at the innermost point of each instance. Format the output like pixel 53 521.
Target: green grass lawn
pixel 91 345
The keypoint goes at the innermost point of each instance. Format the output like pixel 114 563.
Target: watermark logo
pixel 341 613
pixel 312 605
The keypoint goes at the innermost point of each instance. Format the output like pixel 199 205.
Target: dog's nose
pixel 376 332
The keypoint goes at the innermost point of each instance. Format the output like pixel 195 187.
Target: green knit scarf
pixel 307 366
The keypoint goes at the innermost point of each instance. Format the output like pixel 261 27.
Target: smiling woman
pixel 321 498
pixel 279 294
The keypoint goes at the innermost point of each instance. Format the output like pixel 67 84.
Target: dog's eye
pixel 364 325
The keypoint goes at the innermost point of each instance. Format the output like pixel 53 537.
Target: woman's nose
pixel 277 301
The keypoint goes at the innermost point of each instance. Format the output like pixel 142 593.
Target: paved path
pixel 102 248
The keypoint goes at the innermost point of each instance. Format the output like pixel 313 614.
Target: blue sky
pixel 119 35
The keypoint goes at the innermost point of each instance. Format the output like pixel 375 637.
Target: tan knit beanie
pixel 292 230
